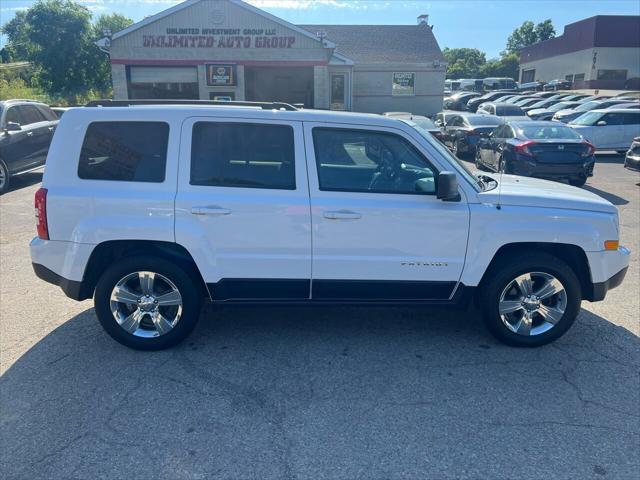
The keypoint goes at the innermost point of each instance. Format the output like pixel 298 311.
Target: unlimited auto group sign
pixel 218 38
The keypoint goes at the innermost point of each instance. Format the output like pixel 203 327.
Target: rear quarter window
pixel 124 151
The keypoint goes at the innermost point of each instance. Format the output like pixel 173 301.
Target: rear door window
pixel 243 155
pixel 124 151
pixel 31 114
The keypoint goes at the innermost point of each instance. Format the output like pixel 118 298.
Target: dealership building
pixel 600 52
pixel 231 50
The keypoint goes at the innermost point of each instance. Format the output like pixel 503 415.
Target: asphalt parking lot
pixel 312 393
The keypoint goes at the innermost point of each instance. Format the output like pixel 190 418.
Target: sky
pixel 483 24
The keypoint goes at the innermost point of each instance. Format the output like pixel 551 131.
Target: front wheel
pixel 147 303
pixel 530 301
pixel 4 177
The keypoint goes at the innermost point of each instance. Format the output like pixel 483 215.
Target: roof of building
pixel 383 43
pixel 598 31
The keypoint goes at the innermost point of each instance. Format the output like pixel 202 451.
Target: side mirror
pixel 447 190
pixel 601 123
pixel 12 127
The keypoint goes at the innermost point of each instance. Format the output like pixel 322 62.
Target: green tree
pixel 101 70
pixel 19 46
pixel 507 66
pixel 463 62
pixel 528 33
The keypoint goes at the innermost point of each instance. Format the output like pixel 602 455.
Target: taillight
pixel 523 148
pixel 41 213
pixel 590 149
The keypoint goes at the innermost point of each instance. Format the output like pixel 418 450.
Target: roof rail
pixel 230 103
pixel 22 100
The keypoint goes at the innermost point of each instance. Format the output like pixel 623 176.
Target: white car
pixel 506 111
pixel 609 129
pixel 149 210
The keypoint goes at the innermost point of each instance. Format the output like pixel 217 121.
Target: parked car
pixel 505 111
pixel 59 111
pixel 462 132
pixel 419 121
pixel 568 115
pixel 544 94
pixel 458 101
pixel 305 206
pixel 632 158
pixel 441 118
pixel 525 102
pixel 629 95
pixel 474 103
pixel 609 129
pixel 549 112
pixel 537 149
pixel 544 103
pixel 557 84
pixel 26 131
pixel 634 105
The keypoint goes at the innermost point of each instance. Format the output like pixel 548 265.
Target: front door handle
pixel 51 129
pixel 342 215
pixel 210 210
pixel 29 134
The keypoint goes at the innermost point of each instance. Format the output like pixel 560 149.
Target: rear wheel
pixel 530 301
pixel 4 177
pixel 147 303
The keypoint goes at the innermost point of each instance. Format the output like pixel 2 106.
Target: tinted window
pixel 243 155
pixel 613 118
pixel 368 161
pixel 549 131
pixel 47 113
pixel 630 119
pixel 13 115
pixel 31 114
pixel 125 151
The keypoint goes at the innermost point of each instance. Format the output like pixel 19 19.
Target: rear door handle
pixel 210 210
pixel 342 215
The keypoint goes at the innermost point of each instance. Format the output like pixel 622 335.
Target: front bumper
pixel 632 162
pixel 608 269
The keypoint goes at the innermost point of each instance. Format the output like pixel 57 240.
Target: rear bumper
pixel 526 168
pixel 71 288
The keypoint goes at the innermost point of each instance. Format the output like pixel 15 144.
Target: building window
pixel 568 78
pixel 337 91
pixel 612 74
pixel 163 82
pixel 528 76
pixel 578 77
pixel 403 83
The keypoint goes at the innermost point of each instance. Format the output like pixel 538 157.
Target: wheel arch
pixel 106 253
pixel 573 255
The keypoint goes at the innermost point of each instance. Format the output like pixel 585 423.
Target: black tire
pixel 578 182
pixel 504 272
pixel 5 177
pixel 455 148
pixel 185 282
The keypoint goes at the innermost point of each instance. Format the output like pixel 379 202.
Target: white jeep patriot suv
pixel 151 208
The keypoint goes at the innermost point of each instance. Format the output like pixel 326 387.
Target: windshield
pixel 425 123
pixel 478 120
pixel 512 111
pixel 561 106
pixel 585 107
pixel 589 118
pixel 455 163
pixel 549 132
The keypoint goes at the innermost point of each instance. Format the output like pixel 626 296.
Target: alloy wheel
pixel 532 303
pixel 146 304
